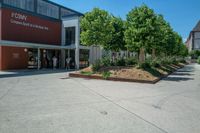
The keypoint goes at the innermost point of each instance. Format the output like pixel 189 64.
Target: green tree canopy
pixel 96 28
pixel 117 42
pixel 149 31
pixel 140 28
pixel 183 50
pixel 162 35
pixel 141 31
pixel 144 31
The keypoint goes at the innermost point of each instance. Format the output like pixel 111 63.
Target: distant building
pixel 193 41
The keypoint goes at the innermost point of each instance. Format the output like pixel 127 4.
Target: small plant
pixel 106 75
pixel 86 73
pixel 96 66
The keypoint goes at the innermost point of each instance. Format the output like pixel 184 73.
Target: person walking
pixel 68 63
pixel 55 60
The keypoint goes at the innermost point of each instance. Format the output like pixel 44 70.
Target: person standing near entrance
pixel 68 63
pixel 54 62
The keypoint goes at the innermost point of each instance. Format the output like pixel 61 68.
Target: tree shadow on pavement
pixel 182 74
pixel 178 79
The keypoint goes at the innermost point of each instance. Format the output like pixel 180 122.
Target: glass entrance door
pixel 48 56
pixel 32 58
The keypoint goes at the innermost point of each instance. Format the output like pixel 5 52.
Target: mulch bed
pixel 149 80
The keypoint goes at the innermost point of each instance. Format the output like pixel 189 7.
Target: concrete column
pixel 100 52
pixel 77 44
pixel 192 47
pixel 90 55
pixel 63 41
pixel 39 62
pixel 77 58
pixel 68 53
pixel 63 58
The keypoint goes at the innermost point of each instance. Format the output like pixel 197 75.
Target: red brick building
pixel 32 32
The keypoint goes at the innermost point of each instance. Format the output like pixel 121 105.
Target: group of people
pixel 55 62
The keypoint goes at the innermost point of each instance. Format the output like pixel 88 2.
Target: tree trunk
pixel 142 55
pixel 153 53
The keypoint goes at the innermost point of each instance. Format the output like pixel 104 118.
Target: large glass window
pixel 197 43
pixel 197 35
pixel 84 58
pixel 65 12
pixel 23 4
pixel 70 35
pixel 48 9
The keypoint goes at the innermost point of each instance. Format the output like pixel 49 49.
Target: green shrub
pixel 194 54
pixel 96 66
pixel 173 60
pixel 155 63
pixel 106 75
pixel 165 61
pixel 198 61
pixel 106 62
pixel 120 62
pixel 168 60
pixel 131 61
pixel 144 65
pixel 182 60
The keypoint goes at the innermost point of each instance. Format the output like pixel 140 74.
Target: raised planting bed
pixel 128 74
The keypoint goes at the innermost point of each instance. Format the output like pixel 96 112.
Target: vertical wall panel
pixel 14 58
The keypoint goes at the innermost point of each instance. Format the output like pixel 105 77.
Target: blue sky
pixel 181 14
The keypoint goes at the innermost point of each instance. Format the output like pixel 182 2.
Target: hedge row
pixel 149 63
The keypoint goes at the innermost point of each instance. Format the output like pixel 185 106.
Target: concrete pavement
pixel 51 103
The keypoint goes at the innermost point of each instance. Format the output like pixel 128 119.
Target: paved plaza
pixel 50 102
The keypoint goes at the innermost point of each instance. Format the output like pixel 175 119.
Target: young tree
pixel 183 50
pixel 162 36
pixel 96 28
pixel 177 44
pixel 117 42
pixel 141 28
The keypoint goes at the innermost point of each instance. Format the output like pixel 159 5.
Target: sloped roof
pixel 197 27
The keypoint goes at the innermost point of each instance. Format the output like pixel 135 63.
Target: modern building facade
pixel 193 41
pixel 32 32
